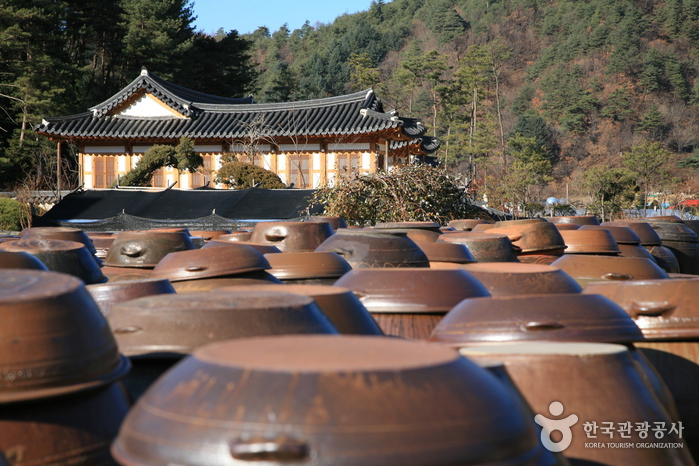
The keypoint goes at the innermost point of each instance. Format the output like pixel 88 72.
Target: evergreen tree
pixel 652 71
pixel 158 34
pixel 218 65
pixel 534 126
pixel 653 123
pixel 363 74
pixel 35 74
pixel 618 107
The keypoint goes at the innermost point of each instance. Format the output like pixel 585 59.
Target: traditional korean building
pixel 307 143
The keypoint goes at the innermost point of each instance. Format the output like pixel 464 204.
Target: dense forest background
pixel 595 100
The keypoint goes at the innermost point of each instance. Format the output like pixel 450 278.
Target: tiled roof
pixel 211 117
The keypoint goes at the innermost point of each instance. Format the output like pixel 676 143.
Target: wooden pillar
pixel 58 169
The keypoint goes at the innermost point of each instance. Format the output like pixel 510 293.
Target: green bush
pixel 241 175
pixel 12 214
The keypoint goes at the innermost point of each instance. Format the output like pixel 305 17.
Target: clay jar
pixel 53 340
pixel 363 248
pixel 70 429
pixel 145 248
pixel 261 248
pixel 668 314
pixel 467 224
pixel 108 294
pixel 446 255
pixel 577 219
pixel 292 236
pixel 172 325
pixel 208 268
pixel 235 236
pixel 628 242
pixel 590 318
pixel 350 400
pixel 409 302
pixel 583 241
pixel 504 279
pixel 335 222
pixel 340 305
pixel 533 236
pixel 68 257
pixel 484 247
pixel 60 234
pixel 586 383
pixel 20 260
pixel 308 267
pixel 683 242
pixel 589 268
pixel 652 243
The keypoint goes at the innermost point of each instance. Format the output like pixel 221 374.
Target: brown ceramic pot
pixel 505 279
pixel 590 242
pixel 262 248
pixel 635 250
pixel 235 236
pixel 567 226
pixel 430 226
pixel 292 236
pixel 118 274
pixel 145 248
pixel 409 302
pixel 60 234
pixel 102 242
pixel 439 252
pixel 587 385
pixel 467 224
pixel 53 339
pixel 533 236
pixel 506 319
pixel 175 324
pixel 621 234
pixel 663 309
pixel 20 260
pixel 334 221
pixel 210 263
pixel 644 230
pixel 208 235
pixel 577 219
pixel 350 400
pixel 68 257
pixel 340 305
pixel 665 258
pixel 415 234
pixel 308 267
pixel 663 219
pixel 239 279
pixel 589 268
pixel 108 294
pixel 682 242
pixel 363 248
pixel 485 247
pixel 67 430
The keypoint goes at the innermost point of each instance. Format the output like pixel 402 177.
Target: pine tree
pixel 653 123
pixel 618 106
pixel 652 71
pixel 158 34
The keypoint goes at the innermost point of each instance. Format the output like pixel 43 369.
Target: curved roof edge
pixel 180 98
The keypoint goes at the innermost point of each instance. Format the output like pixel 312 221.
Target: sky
pixel 247 15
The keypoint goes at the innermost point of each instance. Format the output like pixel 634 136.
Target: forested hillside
pixel 530 98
